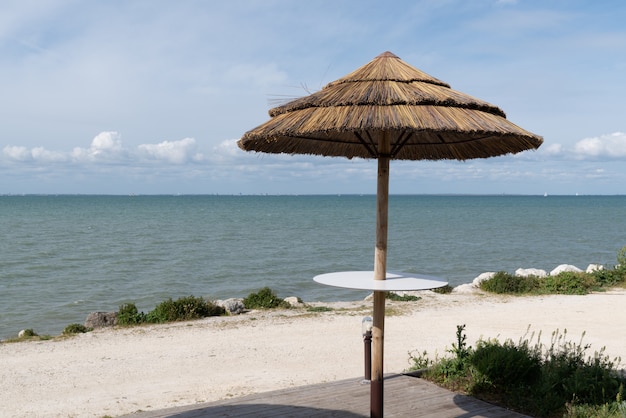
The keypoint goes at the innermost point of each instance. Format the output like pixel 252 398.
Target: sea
pixel 64 256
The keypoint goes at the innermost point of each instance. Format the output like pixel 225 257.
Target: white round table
pixel 395 281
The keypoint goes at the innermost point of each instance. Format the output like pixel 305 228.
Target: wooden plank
pixel 405 396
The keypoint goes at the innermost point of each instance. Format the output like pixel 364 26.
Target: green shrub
pixel 75 329
pixel 506 365
pixel 621 261
pixel 129 315
pixel 183 309
pixel 570 374
pixel 615 409
pixel 506 283
pixel 570 283
pixel 401 298
pixel 531 378
pixel 264 299
pixel 444 290
pixel 419 360
pixel 29 332
pixel 607 278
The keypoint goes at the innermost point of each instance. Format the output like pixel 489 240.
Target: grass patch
pixel 28 335
pixel 72 329
pixel 319 309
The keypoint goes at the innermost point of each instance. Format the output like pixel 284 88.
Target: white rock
pixel 233 306
pixel 464 288
pixel 594 267
pixel 293 301
pixel 482 277
pixel 530 272
pixel 21 334
pixel 565 267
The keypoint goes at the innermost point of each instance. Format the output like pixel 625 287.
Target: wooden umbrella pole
pixel 380 273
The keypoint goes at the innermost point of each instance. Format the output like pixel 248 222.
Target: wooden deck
pixel 405 396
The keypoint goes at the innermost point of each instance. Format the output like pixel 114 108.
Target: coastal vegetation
pixel 566 282
pixel 72 329
pixel 555 380
pixel 182 309
pixel 264 299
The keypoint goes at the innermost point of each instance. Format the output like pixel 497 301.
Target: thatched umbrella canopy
pixel 386 110
pixel 424 118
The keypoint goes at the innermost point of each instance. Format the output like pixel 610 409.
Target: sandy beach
pixel 124 370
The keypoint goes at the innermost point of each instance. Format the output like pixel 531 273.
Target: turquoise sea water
pixel 62 257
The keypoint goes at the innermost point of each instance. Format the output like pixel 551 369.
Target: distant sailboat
pixel 545 194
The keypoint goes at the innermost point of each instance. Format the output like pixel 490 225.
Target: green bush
pixel 75 329
pixel 506 364
pixel 621 261
pixel 183 309
pixel 569 374
pixel 454 369
pixel 506 283
pixel 401 298
pixel 531 378
pixel 129 315
pixel 607 278
pixel 29 332
pixel 264 299
pixel 615 409
pixel 444 290
pixel 570 283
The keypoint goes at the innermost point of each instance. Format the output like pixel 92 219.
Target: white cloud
pixel 226 150
pixel 17 153
pixel 44 155
pixel 37 154
pixel 605 146
pixel 608 146
pixel 175 152
pixel 106 142
pixel 552 149
pixel 106 147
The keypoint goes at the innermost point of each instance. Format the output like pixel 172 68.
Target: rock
pixel 294 302
pixel 233 306
pixel 465 288
pixel 530 272
pixel 482 277
pixel 565 267
pixel 594 267
pixel 101 319
pixel 21 334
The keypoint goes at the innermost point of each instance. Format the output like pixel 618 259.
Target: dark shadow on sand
pixel 264 411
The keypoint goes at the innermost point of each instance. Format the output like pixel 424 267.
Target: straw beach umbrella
pixel 387 110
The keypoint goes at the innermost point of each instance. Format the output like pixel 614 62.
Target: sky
pixel 151 96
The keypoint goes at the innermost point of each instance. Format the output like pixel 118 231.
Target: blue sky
pixel 150 96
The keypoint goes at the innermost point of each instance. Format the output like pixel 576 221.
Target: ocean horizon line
pixel 309 194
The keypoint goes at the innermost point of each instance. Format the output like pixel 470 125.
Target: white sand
pixel 119 371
